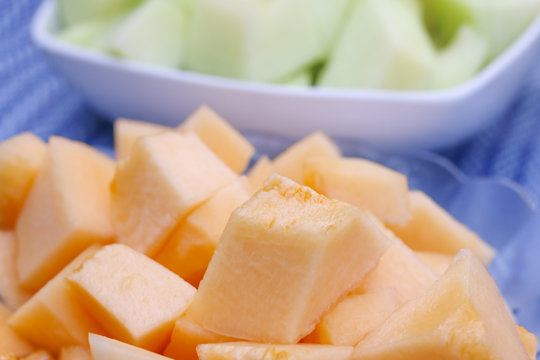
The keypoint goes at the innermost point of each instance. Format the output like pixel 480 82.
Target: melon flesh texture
pixel 155 33
pixel 88 33
pixel 302 79
pixel 438 262
pixel 500 22
pixel 135 299
pixel 75 353
pixel 189 249
pixel 286 256
pixel 240 38
pixel 38 355
pixel 330 17
pixel 431 228
pixel 290 162
pixel 11 292
pixel 75 11
pixel 104 348
pixel 187 334
pixel 461 316
pixel 363 183
pixel 127 132
pixel 530 341
pixel 354 317
pixel 224 140
pixel 383 45
pixel 463 58
pixel 10 341
pixel 166 177
pixel 67 210
pixel 260 171
pixel 53 318
pixel 251 351
pixel 21 158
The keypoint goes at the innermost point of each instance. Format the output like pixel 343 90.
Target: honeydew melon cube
pixel 285 257
pixel 104 348
pixel 252 351
pixel 75 11
pixel 166 177
pixel 11 293
pixel 461 316
pixel 302 79
pixel 75 353
pixel 21 158
pixel 242 38
pixel 383 46
pixel 10 341
pixel 330 17
pixel 155 33
pixel 223 139
pixel 88 33
pixel 134 298
pixel 127 132
pixel 53 318
pixel 187 334
pixel 67 210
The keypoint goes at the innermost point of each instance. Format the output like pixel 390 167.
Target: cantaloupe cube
pixel 530 341
pixel 38 355
pixel 363 183
pixel 260 171
pixel 224 140
pixel 285 257
pixel 438 262
pixel 187 334
pixel 53 318
pixel 21 158
pixel 104 348
pixel 127 132
pixel 165 178
pixel 66 211
pixel 431 228
pixel 251 351
pixel 10 341
pixel 290 162
pixel 10 290
pixel 189 249
pixel 75 353
pixel 354 317
pixel 461 316
pixel 134 298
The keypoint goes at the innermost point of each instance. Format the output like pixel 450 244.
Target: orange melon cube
pixel 38 355
pixel 224 140
pixel 75 353
pixel 461 316
pixel 187 334
pixel 10 290
pixel 431 228
pixel 10 341
pixel 438 262
pixel 251 351
pixel 290 162
pixel 530 341
pixel 134 298
pixel 285 257
pixel 363 183
pixel 21 158
pixel 104 348
pixel 165 178
pixel 189 249
pixel 354 317
pixel 66 211
pixel 260 171
pixel 127 132
pixel 53 318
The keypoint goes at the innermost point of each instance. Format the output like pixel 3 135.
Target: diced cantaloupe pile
pixel 174 251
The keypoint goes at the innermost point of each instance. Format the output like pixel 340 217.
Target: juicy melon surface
pixel 260 171
pixel 127 132
pixel 104 348
pixel 285 257
pixel 11 293
pixel 461 316
pixel 10 341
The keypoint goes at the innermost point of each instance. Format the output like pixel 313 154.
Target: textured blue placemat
pixel 33 97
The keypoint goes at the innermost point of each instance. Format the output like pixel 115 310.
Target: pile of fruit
pixel 379 44
pixel 171 253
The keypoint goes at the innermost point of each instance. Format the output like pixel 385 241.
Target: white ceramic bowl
pixel 389 119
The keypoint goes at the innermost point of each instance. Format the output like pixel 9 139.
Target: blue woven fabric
pixel 33 97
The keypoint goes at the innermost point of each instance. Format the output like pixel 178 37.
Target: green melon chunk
pixel 330 16
pixel 302 79
pixel 86 34
pixel 383 46
pixel 253 39
pixel 71 12
pixel 153 33
pixel 461 60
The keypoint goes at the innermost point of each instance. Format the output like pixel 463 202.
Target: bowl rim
pixel 42 34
